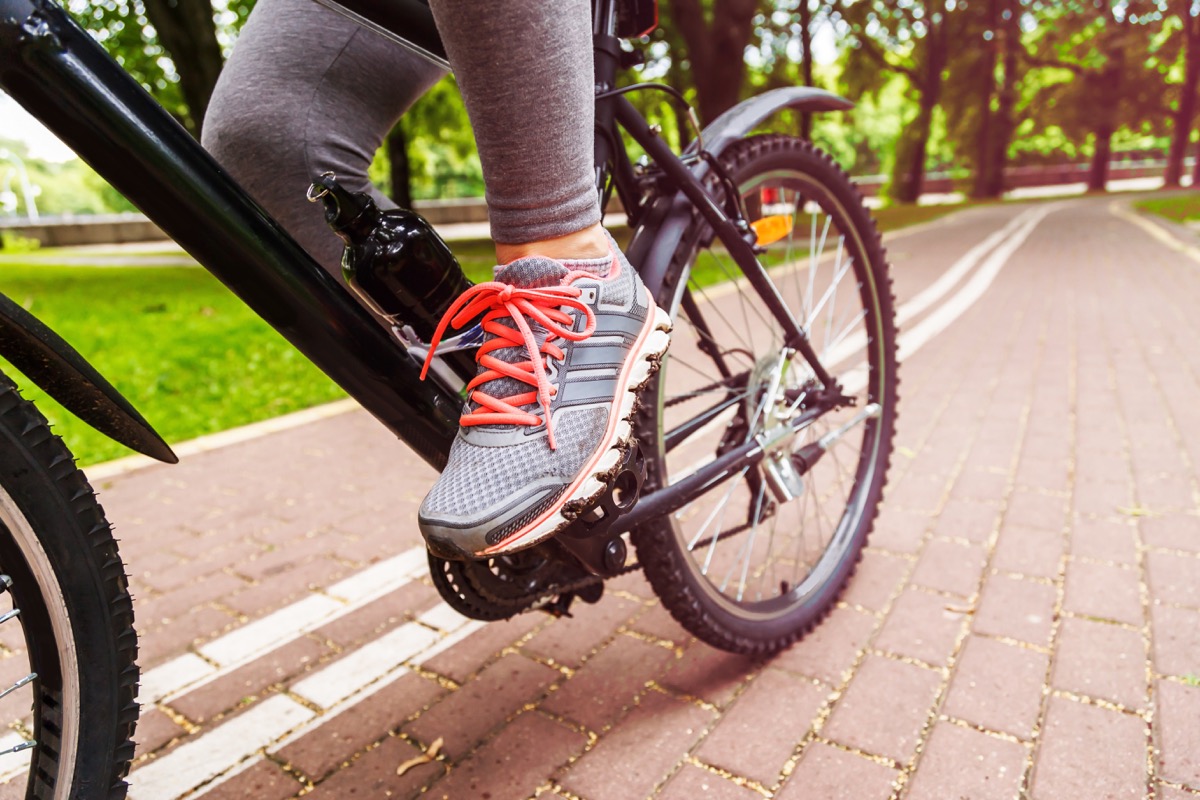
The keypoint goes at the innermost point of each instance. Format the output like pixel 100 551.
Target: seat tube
pixel 604 17
pixel 607 51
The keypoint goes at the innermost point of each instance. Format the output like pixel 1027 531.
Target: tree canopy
pixel 965 86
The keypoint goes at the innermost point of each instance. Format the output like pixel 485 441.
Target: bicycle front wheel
pixel 759 559
pixel 67 644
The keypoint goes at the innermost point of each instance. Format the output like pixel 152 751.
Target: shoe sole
pixel 591 483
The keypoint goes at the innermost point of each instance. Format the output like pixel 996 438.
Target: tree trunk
pixel 399 176
pixel 189 35
pixel 716 52
pixel 1182 131
pixel 1003 124
pixel 987 90
pixel 806 63
pixel 908 177
pixel 676 80
pixel 1098 174
pixel 1196 173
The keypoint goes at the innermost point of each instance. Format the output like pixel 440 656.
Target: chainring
pixel 503 587
pixel 450 578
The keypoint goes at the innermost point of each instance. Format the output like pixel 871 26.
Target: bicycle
pixel 765 437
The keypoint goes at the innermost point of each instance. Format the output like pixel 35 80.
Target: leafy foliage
pixel 969 86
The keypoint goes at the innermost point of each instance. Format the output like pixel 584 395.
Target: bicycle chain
pixel 528 602
pixel 531 601
pixel 461 588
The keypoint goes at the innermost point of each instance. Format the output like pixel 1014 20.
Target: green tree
pixel 980 96
pixel 172 47
pixel 431 147
pixel 187 30
pixel 911 38
pixel 715 34
pixel 784 55
pixel 1184 44
pixel 1099 54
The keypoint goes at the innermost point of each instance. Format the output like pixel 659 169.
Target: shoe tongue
pixel 533 272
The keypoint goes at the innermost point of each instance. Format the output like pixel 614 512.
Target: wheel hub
pixel 775 398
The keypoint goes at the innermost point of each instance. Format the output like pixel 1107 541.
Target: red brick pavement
pixel 1024 623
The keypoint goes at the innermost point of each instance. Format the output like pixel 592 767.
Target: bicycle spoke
pixel 833 300
pixel 18 748
pixel 842 270
pixel 755 561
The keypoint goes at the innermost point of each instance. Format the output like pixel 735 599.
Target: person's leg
pixel 571 332
pixel 527 77
pixel 307 90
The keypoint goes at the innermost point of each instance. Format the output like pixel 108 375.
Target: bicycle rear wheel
pixel 758 560
pixel 67 644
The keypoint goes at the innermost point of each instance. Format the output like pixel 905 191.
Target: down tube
pixel 66 80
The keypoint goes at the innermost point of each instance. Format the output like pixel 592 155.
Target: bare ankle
pixel 587 243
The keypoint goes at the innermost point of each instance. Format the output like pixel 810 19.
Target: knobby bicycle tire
pixel 762 626
pixel 76 615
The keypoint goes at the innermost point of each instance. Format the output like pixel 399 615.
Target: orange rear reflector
pixel 773 228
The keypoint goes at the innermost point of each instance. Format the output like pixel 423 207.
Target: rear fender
pixel 663 225
pixel 47 360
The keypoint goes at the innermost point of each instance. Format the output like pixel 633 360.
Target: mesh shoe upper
pixel 499 477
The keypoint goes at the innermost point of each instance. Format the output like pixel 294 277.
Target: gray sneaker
pixel 559 342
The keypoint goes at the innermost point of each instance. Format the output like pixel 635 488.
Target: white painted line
pixel 451 640
pixel 353 700
pixel 371 689
pixel 853 380
pixel 238 647
pixel 349 681
pixel 959 269
pixel 272 630
pixel 364 666
pixel 380 578
pixel 230 748
pixel 170 677
pixel 956 306
pixel 444 618
pixel 201 760
pixel 229 774
pixel 1118 209
pixel 214 441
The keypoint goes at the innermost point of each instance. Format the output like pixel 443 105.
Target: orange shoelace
pixel 500 301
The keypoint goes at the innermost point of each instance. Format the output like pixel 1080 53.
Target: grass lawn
pixel 896 217
pixel 1178 208
pixel 186 352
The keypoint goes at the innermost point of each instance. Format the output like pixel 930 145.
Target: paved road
pixel 1025 623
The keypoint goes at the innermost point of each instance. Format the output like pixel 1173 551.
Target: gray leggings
pixel 307 90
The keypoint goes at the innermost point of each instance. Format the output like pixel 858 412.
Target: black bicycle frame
pixel 64 78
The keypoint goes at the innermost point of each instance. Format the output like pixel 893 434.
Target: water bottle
pixel 398 265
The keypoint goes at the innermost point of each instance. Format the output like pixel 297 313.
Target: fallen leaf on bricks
pixel 1135 511
pixel 424 758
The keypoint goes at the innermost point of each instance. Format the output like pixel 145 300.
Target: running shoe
pixel 566 348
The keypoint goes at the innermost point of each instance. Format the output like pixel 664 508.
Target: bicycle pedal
pixel 589 537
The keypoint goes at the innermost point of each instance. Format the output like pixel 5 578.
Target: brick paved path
pixel 1025 623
